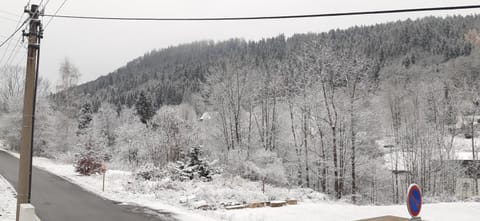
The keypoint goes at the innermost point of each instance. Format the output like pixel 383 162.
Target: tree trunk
pixel 305 144
pixel 335 164
pixel 353 137
pixel 473 153
pixel 332 120
pixel 297 150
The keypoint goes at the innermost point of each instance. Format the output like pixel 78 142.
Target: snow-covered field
pixel 7 201
pixel 117 183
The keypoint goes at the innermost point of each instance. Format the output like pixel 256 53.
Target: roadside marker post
pixel 414 202
pixel 104 171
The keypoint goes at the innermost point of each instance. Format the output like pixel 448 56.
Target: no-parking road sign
pixel 414 200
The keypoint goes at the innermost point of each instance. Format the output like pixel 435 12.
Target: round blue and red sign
pixel 414 200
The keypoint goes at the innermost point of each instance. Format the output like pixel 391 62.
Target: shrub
pixel 148 172
pixel 193 167
pixel 88 162
pixel 266 166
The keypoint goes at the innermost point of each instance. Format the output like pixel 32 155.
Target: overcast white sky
pixel 99 47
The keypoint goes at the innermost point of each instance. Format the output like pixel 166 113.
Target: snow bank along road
pixel 56 199
pixel 7 200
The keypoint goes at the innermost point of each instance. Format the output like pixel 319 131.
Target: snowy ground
pixel 117 182
pixel 7 201
pixel 343 212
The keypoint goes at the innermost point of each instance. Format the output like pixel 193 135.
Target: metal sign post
pixel 414 202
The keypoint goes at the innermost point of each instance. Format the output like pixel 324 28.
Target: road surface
pixel 56 199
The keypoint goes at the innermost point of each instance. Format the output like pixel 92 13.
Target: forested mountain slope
pixel 171 75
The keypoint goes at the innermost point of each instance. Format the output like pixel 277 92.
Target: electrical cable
pixel 46 3
pixel 18 26
pixel 15 32
pixel 447 8
pixel 15 50
pixel 58 9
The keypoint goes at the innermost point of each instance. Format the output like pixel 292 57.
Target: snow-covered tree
pixel 91 145
pixel 144 108
pixel 193 166
pixel 90 159
pixel 84 117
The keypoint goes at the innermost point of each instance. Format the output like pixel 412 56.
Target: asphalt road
pixel 56 199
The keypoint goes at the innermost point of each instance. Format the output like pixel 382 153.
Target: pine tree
pixel 193 167
pixel 85 117
pixel 89 160
pixel 89 156
pixel 144 108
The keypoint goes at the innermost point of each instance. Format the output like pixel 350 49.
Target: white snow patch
pixel 343 212
pixel 8 200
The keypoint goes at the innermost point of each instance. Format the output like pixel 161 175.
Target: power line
pixel 54 14
pixel 17 27
pixel 19 58
pixel 15 32
pixel 15 50
pixel 46 3
pixel 448 8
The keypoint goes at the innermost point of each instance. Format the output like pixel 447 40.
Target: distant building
pixel 465 185
pixel 394 156
pixel 468 166
pixel 395 160
pixel 464 124
pixel 387 142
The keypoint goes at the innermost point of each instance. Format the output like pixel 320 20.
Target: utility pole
pixel 25 164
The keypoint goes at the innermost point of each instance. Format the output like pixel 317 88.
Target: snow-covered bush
pixel 192 166
pixel 148 172
pixel 88 162
pixel 265 166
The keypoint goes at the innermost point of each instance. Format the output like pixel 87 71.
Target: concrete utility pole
pixel 25 164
